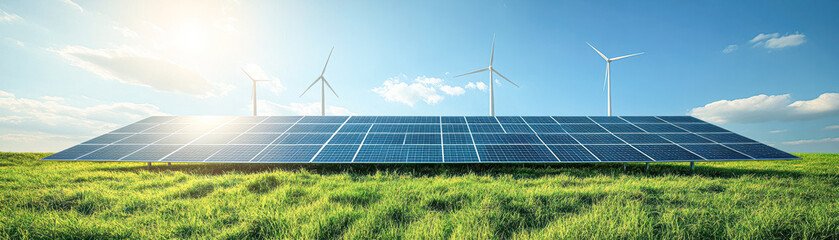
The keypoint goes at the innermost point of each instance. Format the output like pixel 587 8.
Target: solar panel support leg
pixel 624 167
pixel 169 164
pixel 648 166
pixel 691 166
pixel 149 164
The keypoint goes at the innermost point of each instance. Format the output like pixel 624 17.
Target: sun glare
pixel 191 35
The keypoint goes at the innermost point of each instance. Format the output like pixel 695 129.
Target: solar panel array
pixel 420 139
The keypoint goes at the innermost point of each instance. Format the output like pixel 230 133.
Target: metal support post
pixel 624 166
pixel 691 166
pixel 648 166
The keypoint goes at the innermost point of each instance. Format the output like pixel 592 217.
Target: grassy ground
pixel 796 199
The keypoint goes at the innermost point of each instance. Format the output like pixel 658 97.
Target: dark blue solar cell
pixel 423 128
pixel 157 119
pixel 423 139
pixel 382 154
pixel 547 128
pixel 557 138
pixel 680 119
pixel 701 128
pixel 659 128
pixel 313 138
pixel 607 119
pixel 516 128
pixel 135 128
pixel 454 120
pixel 192 153
pixel 323 119
pixel 288 153
pixel 617 153
pixel 337 153
pixel 760 151
pixel 408 119
pixel 515 153
pixel 508 138
pixel 667 152
pixel 460 153
pixel 389 128
pixel 112 152
pixel 349 138
pixel 255 138
pixel 573 119
pixel 384 138
pixel 75 152
pixel 486 128
pixel 178 139
pixel 282 119
pixel 152 153
pixel 216 138
pixel 314 128
pixel 621 128
pixel 572 153
pixel 355 128
pixel 424 153
pixel 727 138
pixel 684 138
pixel 715 152
pixel 457 139
pixel 233 128
pixel 455 128
pixel 270 128
pixel 510 119
pixel 249 119
pixel 539 120
pixel 639 119
pixel 362 119
pixel 143 138
pixel 236 153
pixel 475 119
pixel 583 128
pixel 597 138
pixel 165 128
pixel 641 138
pixel 107 138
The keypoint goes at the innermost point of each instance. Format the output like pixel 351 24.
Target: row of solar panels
pixel 426 119
pixel 422 153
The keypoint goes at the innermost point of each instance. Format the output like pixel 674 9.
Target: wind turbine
pixel 491 71
pixel 607 83
pixel 253 93
pixel 322 87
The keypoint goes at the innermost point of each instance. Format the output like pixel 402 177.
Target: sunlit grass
pixel 797 199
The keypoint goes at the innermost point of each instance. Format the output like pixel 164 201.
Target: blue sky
pixel 76 69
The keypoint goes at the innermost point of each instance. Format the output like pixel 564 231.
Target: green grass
pixel 796 199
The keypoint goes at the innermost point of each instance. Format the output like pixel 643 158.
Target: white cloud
pixel 832 127
pixel 763 108
pixel 800 142
pixel 73 4
pixel 55 119
pixel 394 90
pixel 255 71
pixel 477 85
pixel 8 17
pixel 776 41
pixel 133 67
pixel 126 32
pixel 779 131
pixel 454 91
pixel 15 41
pixel 730 48
pixel 310 109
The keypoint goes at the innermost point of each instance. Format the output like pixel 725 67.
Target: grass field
pixel 797 199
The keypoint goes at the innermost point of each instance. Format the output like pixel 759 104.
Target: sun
pixel 191 35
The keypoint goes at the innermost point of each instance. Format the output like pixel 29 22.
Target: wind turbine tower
pixel 323 85
pixel 253 93
pixel 607 83
pixel 491 72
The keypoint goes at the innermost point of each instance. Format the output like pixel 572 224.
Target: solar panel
pixel 419 139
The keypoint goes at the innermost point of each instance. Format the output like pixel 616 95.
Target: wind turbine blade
pixel 310 86
pixel 598 52
pixel 476 71
pixel 606 77
pixel 330 87
pixel 505 78
pixel 492 52
pixel 249 75
pixel 622 57
pixel 327 61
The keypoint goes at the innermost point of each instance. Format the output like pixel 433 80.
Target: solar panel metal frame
pixel 418 139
